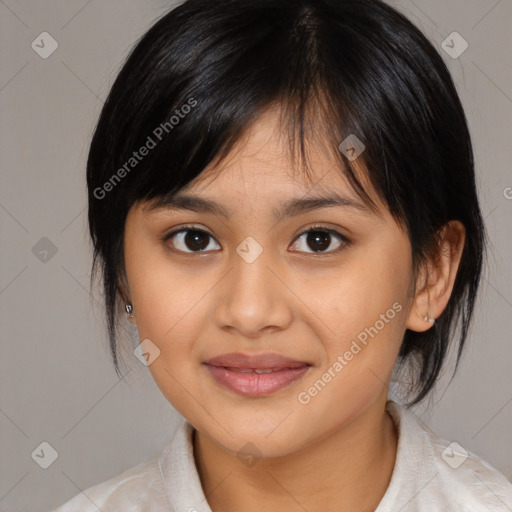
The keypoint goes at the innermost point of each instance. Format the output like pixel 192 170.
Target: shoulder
pixel 432 473
pixel 463 475
pixel 138 488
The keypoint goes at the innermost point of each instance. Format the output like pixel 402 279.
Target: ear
pixel 435 283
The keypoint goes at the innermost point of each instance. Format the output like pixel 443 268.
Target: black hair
pixel 207 69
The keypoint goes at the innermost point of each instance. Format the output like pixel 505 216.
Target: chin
pixel 256 437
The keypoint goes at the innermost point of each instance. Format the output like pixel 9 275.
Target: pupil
pixel 319 237
pixel 193 240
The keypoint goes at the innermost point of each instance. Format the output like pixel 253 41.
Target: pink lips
pixel 255 375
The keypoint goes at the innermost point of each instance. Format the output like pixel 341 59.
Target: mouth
pixel 259 371
pixel 255 375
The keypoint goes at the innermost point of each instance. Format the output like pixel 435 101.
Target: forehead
pixel 260 169
pixel 262 160
pixel 263 153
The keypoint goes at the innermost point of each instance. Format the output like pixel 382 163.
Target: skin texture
pixel 336 452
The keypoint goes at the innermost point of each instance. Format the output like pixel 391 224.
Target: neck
pixel 333 474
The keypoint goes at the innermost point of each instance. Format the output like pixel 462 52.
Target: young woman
pixel 282 197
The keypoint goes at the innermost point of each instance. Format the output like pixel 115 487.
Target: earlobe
pixel 421 316
pixel 438 278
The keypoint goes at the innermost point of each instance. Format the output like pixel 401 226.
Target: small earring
pixel 129 309
pixel 428 318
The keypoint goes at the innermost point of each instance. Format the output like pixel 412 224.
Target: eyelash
pixel 345 242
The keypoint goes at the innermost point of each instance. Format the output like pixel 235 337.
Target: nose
pixel 253 300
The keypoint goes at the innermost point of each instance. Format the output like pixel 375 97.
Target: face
pixel 334 300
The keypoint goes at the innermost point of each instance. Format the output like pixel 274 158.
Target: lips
pixel 255 375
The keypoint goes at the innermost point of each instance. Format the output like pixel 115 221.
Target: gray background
pixel 57 382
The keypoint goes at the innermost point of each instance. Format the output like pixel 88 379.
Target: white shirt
pixel 430 475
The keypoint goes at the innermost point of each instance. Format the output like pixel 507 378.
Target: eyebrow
pixel 291 208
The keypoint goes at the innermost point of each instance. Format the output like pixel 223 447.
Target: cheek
pixel 353 296
pixel 358 363
pixel 363 316
pixel 162 291
pixel 169 306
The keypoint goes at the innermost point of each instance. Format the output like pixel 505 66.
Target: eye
pixel 190 237
pixel 319 239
